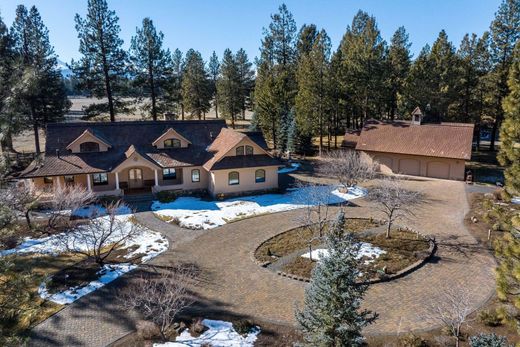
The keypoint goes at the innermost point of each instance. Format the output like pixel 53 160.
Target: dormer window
pixel 87 147
pixel 172 143
pixel 240 150
pixel 249 150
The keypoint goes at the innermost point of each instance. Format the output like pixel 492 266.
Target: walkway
pixel 232 285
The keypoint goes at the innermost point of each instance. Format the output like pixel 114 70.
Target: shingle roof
pixel 239 161
pixel 121 135
pixel 127 137
pixel 444 140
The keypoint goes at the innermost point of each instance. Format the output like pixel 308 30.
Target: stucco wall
pixel 219 180
pixel 427 166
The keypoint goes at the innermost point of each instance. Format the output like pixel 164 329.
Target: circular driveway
pixel 232 284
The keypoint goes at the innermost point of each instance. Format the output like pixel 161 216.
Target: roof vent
pixel 417 116
pixel 58 153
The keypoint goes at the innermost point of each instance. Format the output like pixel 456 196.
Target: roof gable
pixel 170 133
pixel 87 135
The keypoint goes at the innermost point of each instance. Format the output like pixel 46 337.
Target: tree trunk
pixel 216 107
pixel 36 133
pixel 182 111
pixel 494 132
pixel 28 219
pixel 152 92
pixel 388 227
pixel 7 142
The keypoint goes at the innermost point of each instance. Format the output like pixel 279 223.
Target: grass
pixel 402 250
pixel 295 239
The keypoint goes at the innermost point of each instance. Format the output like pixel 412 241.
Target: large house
pixel 418 147
pixel 124 157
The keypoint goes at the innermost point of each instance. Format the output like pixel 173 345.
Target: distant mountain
pixel 65 71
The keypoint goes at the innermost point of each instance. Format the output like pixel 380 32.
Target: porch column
pixel 58 184
pixel 89 183
pixel 156 178
pixel 117 180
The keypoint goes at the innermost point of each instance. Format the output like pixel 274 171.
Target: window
pixel 260 176
pixel 233 178
pixel 89 147
pixel 47 180
pixel 172 143
pixel 195 175
pixel 100 179
pixel 68 179
pixel 240 150
pixel 249 150
pixel 169 174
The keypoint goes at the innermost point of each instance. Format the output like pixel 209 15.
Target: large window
pixel 249 150
pixel 86 147
pixel 172 143
pixel 244 150
pixel 169 174
pixel 195 175
pixel 69 179
pixel 233 178
pixel 240 150
pixel 100 179
pixel 260 176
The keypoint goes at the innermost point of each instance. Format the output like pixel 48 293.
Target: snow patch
pixel 194 213
pixel 219 334
pixel 366 250
pixel 294 167
pixel 98 211
pixel 516 200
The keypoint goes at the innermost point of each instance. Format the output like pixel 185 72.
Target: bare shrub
pixel 65 200
pixel 453 309
pixel 348 166
pixel 160 298
pixel 394 200
pixel 147 330
pixel 101 236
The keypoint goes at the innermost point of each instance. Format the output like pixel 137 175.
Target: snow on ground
pixel 106 275
pixel 294 167
pixel 516 200
pixel 366 250
pixel 219 334
pixel 194 213
pixel 147 244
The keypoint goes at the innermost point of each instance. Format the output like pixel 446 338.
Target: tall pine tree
pixel 214 73
pixel 275 86
pixel 151 64
pixel 39 91
pixel 228 87
pixel 246 79
pixel 399 61
pixel 332 314
pixel 102 68
pixel 196 91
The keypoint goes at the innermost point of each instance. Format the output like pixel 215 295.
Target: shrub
pixel 197 327
pixel 166 196
pixel 411 340
pixel 147 330
pixel 488 340
pixel 243 326
pixel 490 318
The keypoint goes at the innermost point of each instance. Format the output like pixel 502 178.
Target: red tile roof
pixel 444 140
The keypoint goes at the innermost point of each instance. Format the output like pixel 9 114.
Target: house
pixel 418 147
pixel 142 156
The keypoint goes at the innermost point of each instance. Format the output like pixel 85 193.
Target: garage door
pixel 385 164
pixel 409 167
pixel 438 170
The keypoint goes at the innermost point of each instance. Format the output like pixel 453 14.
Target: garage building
pixel 415 148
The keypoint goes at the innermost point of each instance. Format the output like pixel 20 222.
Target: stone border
pixel 407 270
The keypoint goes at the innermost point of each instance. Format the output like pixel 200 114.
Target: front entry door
pixel 135 178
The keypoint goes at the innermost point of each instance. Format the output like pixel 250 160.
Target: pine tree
pixel 173 89
pixel 291 132
pixel 399 61
pixel 38 90
pixel 151 64
pixel 228 87
pixel 9 123
pixel 509 155
pixel 364 54
pixel 196 92
pixel 419 84
pixel 246 79
pixel 313 103
pixel 332 314
pixel 214 73
pixel 102 68
pixel 275 85
pixel 306 38
pixel 505 33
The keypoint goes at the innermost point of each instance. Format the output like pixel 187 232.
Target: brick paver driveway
pixel 232 285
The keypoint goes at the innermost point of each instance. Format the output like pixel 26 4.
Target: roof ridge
pixel 137 122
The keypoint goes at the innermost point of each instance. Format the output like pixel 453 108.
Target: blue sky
pixel 208 25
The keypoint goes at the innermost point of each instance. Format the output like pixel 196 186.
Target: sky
pixel 214 25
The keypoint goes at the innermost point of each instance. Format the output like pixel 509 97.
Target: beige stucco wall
pixel 109 189
pixel 74 148
pixel 219 180
pixel 426 166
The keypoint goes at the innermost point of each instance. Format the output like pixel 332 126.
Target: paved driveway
pixel 232 285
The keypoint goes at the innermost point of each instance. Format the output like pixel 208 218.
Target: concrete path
pixel 232 285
